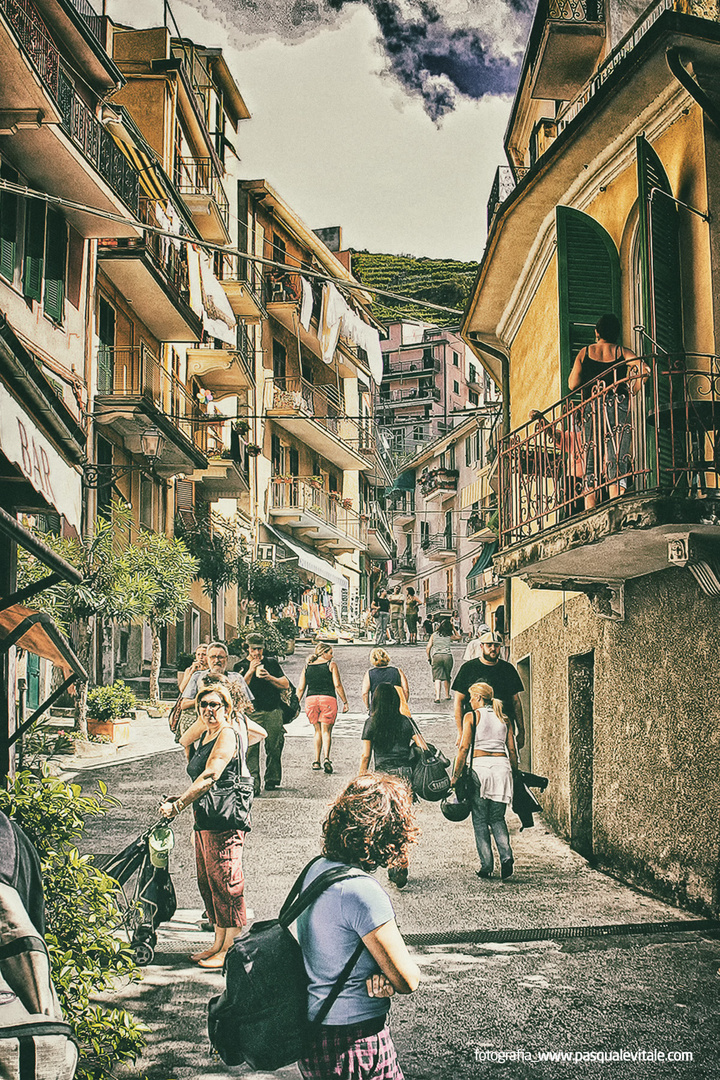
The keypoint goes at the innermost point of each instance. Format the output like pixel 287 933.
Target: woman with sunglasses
pixel 220 747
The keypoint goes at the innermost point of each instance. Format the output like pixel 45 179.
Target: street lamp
pixel 152 444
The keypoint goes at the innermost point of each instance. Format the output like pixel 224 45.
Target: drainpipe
pixel 687 81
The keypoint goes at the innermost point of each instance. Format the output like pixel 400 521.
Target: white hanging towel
pixel 331 313
pixel 218 317
pixel 193 260
pixel 306 305
pixel 374 353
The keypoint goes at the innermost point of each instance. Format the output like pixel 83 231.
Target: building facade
pixel 608 526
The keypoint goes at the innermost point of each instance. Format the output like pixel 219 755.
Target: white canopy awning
pixel 308 560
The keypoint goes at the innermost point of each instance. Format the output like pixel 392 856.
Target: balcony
pixel 135 392
pixel 439 547
pixel 485 586
pixel 55 135
pixel 316 515
pixel 439 604
pixel 414 396
pixel 616 486
pixel 406 566
pixel 438 483
pixel 201 187
pixel 227 475
pixel 505 182
pixel 571 42
pixel 224 372
pixel 401 505
pixel 315 416
pixel 245 302
pixel 153 275
pixel 483 525
pixel 381 542
pixel 395 369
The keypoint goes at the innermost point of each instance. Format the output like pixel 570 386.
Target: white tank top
pixel 491 732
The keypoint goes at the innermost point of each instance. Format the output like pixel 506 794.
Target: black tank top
pixel 319 680
pixel 592 370
pixel 199 760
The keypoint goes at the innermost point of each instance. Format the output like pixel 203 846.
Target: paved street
pixel 523 990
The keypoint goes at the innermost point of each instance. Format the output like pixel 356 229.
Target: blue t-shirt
pixel 328 933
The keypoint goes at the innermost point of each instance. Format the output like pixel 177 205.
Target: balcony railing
pixel 439 480
pixel 281 288
pixel 307 497
pixel 439 542
pixel 438 602
pixel 136 372
pixel 401 502
pixel 658 433
pixel 426 362
pixel 198 176
pixel 573 10
pixel 406 564
pixel 170 259
pixel 90 17
pixel 323 404
pixel 416 394
pixel 505 182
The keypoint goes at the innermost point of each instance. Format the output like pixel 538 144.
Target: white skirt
pixel 495 776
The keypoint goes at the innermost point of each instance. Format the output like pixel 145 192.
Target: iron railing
pixel 280 287
pixel 90 17
pixel 401 503
pixel 426 362
pixel 415 394
pixel 439 543
pixel 133 371
pixel 406 564
pixel 199 176
pixel 308 497
pixel 652 432
pixel 323 404
pixel 438 602
pixel 438 480
pixel 505 182
pixel 170 259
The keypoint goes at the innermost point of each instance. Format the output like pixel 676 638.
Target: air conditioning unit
pixel 266 553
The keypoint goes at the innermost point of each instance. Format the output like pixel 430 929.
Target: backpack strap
pixel 338 985
pixel 298 900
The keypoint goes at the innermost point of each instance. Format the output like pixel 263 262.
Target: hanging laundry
pixel 331 313
pixel 306 304
pixel 218 317
pixel 174 219
pixel 195 288
pixel 164 222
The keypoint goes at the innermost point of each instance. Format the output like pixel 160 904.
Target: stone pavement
pixel 547 982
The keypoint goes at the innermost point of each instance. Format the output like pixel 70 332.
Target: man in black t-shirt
pixel 502 676
pixel 266 679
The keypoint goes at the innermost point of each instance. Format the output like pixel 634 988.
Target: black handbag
pixel 464 782
pixel 226 806
pixel 430 779
pixel 289 704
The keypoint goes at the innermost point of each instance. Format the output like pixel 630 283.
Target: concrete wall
pixel 655 732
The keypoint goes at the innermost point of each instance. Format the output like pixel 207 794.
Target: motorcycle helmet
pixel 455 809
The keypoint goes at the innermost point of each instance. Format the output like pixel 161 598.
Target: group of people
pixel 393 613
pixel 371 823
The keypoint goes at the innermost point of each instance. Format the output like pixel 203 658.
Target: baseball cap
pixel 490 638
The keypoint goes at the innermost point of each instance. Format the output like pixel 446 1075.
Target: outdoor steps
pixel 140 686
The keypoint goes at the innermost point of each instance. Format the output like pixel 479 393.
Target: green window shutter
pixel 8 225
pixel 662 313
pixel 55 262
pixel 34 249
pixel 588 282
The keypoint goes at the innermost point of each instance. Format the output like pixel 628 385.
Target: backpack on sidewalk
pixel 261 1016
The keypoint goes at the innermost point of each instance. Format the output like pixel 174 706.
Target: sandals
pixel 328 766
pixel 316 766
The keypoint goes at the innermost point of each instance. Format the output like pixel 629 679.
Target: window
pixel 279 356
pixel 469 450
pixel 276 454
pixel 424 533
pixel 456 387
pixel 472 397
pixel 8 225
pixel 55 266
pixel 472 374
pixel 426 589
pixel 456 359
pixel 106 352
pixel 146 502
pixel 294 461
pixel 34 249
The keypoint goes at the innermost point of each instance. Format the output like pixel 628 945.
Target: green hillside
pixel 440 281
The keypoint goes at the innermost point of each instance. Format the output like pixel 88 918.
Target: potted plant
pixel 108 711
pixel 288 631
pixel 252 450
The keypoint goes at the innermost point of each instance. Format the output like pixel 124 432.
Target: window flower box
pixel 252 450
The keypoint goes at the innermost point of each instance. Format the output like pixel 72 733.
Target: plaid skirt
pixel 344 1053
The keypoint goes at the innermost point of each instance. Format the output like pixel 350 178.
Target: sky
pixel 385 117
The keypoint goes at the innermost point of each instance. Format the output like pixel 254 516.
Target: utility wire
pixel 358 286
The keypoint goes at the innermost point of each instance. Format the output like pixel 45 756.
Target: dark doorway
pixel 581 695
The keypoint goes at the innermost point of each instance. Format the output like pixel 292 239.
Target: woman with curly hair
pixel 370 824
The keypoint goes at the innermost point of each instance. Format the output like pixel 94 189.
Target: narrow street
pixel 533 988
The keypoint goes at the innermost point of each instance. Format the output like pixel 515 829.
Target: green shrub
pixel 275 643
pixel 286 627
pixel 82 917
pixel 110 702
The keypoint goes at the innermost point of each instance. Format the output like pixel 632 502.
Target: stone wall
pixel 646 735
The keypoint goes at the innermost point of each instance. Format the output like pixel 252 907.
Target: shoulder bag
pixel 459 808
pixel 289 704
pixel 430 780
pixel 175 714
pixel 226 806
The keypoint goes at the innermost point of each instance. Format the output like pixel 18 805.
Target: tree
pixel 110 588
pixel 217 545
pixel 268 586
pixel 170 569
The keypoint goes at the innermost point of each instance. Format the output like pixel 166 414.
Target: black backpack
pixel 261 1016
pixel 289 704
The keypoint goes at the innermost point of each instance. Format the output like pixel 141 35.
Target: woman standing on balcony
pixel 607 380
pixel 439 654
pixel 321 679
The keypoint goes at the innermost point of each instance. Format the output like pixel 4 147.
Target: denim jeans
pixel 272 722
pixel 488 816
pixel 382 620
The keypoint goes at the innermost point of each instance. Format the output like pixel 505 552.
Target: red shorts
pixel 321 709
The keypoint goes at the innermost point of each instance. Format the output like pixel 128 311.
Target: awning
pixel 308 560
pixel 37 633
pixel 483 561
pixel 473 493
pixel 405 481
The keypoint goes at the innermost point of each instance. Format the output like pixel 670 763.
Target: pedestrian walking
pixel 382 617
pixel 221 751
pixel 198 664
pixel 412 610
pixel 388 737
pixel 266 680
pixel 501 675
pixel 494 759
pixel 439 654
pixel 397 617
pixel 370 824
pixel 321 679
pixel 428 628
pixel 382 671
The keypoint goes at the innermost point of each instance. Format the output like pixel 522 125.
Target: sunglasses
pixel 212 705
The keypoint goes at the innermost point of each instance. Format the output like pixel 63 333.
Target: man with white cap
pixel 501 675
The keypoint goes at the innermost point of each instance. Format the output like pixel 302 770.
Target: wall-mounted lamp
pixel 152 444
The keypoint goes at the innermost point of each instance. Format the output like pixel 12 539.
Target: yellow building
pixel 609 510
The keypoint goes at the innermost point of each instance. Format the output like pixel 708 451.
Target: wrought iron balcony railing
pixel 136 372
pixel 574 11
pixel 439 542
pixel 505 182
pixel 170 259
pixel 439 480
pixel 438 602
pixel 426 362
pixel 323 404
pixel 401 502
pixel 407 563
pixel 90 17
pixel 653 433
pixel 198 176
pixel 395 397
pixel 308 497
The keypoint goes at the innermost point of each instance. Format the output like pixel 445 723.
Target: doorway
pixel 525 756
pixel 581 699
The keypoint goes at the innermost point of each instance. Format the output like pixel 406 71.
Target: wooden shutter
pixel 8 225
pixel 55 264
pixel 662 310
pixel 588 282
pixel 34 249
pixel 106 352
